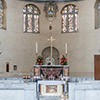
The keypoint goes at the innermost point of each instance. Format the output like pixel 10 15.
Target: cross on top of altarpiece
pixel 51 40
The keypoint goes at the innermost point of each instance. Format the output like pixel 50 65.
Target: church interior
pixel 49 49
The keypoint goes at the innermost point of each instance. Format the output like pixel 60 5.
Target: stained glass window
pixel 97 14
pixel 69 19
pixel 31 19
pixel 1 14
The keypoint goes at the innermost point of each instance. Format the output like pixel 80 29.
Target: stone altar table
pixel 51 89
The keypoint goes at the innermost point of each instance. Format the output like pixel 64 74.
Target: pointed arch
pixel 31 18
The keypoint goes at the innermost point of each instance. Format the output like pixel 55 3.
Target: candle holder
pixel 36 57
pixel 66 55
pixel 36 54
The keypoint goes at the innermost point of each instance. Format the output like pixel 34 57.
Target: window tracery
pixel 31 19
pixel 69 18
pixel 1 14
pixel 97 14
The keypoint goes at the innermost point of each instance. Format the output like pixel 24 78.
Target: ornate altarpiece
pixel 51 72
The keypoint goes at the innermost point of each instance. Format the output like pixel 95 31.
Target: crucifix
pixel 51 40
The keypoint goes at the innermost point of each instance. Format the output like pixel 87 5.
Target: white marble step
pixel 50 98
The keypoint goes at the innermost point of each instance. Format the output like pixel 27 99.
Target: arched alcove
pixel 46 53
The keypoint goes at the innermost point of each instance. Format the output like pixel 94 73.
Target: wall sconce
pixel 50 10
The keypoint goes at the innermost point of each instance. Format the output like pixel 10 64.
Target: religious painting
pixel 51 88
pixel 66 71
pixel 37 71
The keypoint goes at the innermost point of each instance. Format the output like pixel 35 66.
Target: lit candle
pixel 36 48
pixel 65 48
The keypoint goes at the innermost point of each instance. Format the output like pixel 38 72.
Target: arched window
pixel 1 14
pixel 31 19
pixel 69 19
pixel 97 14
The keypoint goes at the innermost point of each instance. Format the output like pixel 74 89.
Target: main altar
pixel 50 73
pixel 51 80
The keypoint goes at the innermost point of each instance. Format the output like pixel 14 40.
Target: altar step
pixel 50 98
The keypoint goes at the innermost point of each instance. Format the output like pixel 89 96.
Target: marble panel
pixel 87 90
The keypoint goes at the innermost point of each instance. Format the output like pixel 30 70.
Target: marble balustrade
pixel 16 88
pixel 79 88
pixel 85 90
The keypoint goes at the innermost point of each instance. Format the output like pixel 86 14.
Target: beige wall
pixel 19 48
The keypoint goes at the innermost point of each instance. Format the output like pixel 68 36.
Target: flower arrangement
pixel 39 60
pixel 63 60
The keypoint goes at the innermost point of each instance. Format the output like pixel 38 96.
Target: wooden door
pixel 97 67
